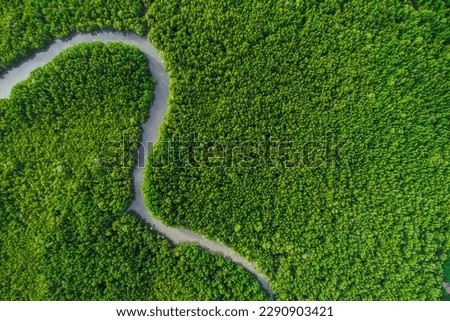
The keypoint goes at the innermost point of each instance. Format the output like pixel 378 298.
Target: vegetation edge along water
pixel 63 221
pixel 389 48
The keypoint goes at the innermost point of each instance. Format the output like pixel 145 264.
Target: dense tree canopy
pixel 357 207
pixel 27 25
pixel 63 234
pixel 329 121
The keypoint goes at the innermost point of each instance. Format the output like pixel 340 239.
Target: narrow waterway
pixel 151 128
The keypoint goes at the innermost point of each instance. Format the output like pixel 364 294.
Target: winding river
pixel 150 129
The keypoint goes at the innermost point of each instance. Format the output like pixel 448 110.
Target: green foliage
pixel 364 214
pixel 446 296
pixel 373 74
pixel 27 25
pixel 63 234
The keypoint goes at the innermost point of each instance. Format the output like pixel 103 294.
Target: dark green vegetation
pixel 63 234
pixel 373 74
pixel 27 25
pixel 364 213
pixel 446 296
